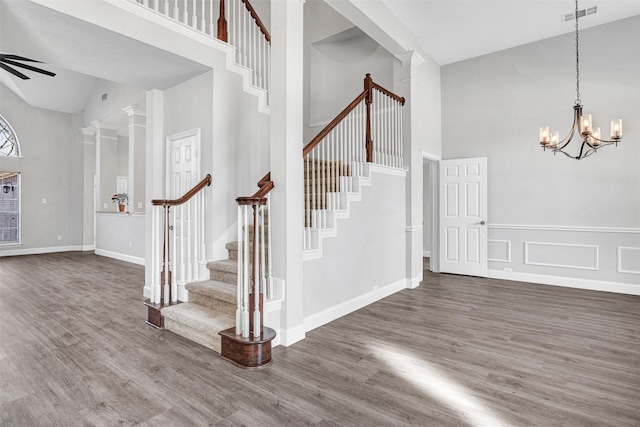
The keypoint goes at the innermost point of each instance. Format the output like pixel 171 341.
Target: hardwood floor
pixel 75 351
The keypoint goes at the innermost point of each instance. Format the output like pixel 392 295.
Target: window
pixel 9 207
pixel 9 146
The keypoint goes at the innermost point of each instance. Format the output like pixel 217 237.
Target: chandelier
pixel 582 124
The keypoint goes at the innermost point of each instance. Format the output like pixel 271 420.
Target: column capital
pixel 135 111
pixel 411 57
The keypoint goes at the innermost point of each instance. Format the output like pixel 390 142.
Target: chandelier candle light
pixel 582 124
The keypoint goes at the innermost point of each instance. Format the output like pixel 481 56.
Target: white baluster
pixel 246 285
pixel 155 249
pixel 203 243
pixel 176 10
pixel 257 327
pixel 239 290
pixel 203 16
pixel 263 268
pixel 268 255
pixel 185 12
pixel 179 244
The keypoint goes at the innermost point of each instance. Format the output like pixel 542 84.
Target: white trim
pixel 332 313
pixel 37 251
pixel 387 170
pixel 433 157
pixel 620 270
pixel 121 257
pixel 567 282
pixel 565 228
pixel 320 123
pixel 596 267
pixel 508 242
pixel 414 282
pixel 426 254
pixel 292 336
pixel 87 248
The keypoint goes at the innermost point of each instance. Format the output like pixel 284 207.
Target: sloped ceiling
pixel 80 52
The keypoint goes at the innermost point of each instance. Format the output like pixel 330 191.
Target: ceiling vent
pixel 581 13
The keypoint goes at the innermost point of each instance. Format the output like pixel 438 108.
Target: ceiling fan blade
pixel 14 72
pixel 29 67
pixel 16 57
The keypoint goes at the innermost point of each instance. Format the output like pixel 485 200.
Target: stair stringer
pixel 316 235
pixel 143 24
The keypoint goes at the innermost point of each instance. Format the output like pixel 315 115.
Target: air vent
pixel 581 13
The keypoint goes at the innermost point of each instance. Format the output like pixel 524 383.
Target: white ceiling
pixel 447 30
pixel 454 30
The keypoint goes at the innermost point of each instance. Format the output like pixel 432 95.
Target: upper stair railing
pixel 235 22
pixel 254 259
pixel 178 243
pixel 369 130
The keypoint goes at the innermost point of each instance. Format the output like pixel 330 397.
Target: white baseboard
pixel 594 285
pixel 87 248
pixel 333 313
pixel 291 336
pixel 36 251
pixel 414 282
pixel 121 257
pixel 426 254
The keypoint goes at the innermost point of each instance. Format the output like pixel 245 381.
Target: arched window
pixel 9 146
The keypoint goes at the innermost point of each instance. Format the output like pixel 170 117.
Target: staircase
pixel 211 306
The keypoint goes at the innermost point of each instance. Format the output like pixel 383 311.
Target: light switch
pixel 44 201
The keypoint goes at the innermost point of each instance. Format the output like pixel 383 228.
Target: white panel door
pixel 183 157
pixel 463 216
pixel 183 162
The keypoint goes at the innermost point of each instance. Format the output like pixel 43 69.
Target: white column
pixel 406 84
pixel 286 161
pixel 89 204
pixel 137 157
pixel 154 171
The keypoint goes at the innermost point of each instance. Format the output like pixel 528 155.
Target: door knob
pixel 482 223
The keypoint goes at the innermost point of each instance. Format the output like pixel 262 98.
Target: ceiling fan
pixel 8 62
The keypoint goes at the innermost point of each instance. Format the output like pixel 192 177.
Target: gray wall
pixel 51 168
pixel 550 215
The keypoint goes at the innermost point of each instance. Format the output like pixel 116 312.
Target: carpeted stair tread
pixel 226 265
pixel 214 289
pixel 197 323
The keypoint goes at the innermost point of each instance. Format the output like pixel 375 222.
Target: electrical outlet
pixel 59 237
pixel 44 201
pixel 139 205
pixel 105 206
pixel 130 244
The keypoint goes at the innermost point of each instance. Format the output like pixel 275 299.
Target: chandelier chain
pixel 577 101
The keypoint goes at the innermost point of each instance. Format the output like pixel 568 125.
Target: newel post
pixel 368 87
pixel 222 24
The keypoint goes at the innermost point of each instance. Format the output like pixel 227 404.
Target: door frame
pixel 483 215
pixel 433 219
pixel 195 132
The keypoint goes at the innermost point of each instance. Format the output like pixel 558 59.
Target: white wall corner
pixel 292 335
pixel 410 57
pixel 414 282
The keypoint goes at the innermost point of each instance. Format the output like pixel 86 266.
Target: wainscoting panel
pixel 584 257
pixel 602 258
pixel 628 260
pixel 499 250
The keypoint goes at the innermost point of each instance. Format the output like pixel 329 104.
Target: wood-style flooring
pixel 456 351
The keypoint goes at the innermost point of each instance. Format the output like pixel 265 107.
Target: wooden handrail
pixel 188 195
pixel 260 196
pixel 256 18
pixel 366 96
pixel 324 132
pixel 400 99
